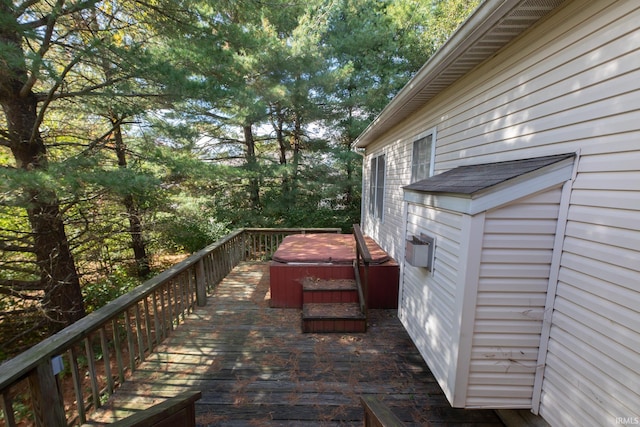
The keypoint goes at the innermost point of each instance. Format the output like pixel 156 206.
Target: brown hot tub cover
pixel 326 249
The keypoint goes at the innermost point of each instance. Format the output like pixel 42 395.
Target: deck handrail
pixel 361 245
pixel 129 327
pixel 377 414
pixel 176 411
pixel 362 254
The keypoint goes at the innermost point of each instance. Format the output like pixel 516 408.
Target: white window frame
pixel 431 155
pixel 377 177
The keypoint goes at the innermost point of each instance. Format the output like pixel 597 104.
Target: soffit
pixel 491 27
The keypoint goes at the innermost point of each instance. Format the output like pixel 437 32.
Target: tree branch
pixel 13 287
pixel 77 7
pixel 44 47
pixel 16 248
pixel 20 9
pixel 50 96
pixel 18 311
pixel 18 336
pixel 17 268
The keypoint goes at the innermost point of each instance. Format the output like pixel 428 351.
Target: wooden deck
pixel 255 367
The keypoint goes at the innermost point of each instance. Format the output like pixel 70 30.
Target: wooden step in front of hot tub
pixel 333 317
pixel 316 290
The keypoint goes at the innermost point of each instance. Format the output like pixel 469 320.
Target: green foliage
pixel 188 119
pixel 100 292
pixel 190 226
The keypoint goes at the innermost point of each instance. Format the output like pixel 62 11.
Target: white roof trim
pixel 492 26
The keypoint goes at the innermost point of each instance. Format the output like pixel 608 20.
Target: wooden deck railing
pixel 377 414
pixel 97 353
pixel 175 411
pixel 363 259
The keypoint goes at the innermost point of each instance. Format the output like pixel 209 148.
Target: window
pixel 423 156
pixel 376 186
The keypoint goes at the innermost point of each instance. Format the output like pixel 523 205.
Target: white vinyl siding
pixel 571 84
pixel 428 299
pixel 516 109
pixel 517 250
pixel 477 319
pixel 398 174
pixel 595 335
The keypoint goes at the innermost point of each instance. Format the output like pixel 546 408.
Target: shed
pixel 493 229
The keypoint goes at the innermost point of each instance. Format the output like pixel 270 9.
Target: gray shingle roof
pixel 471 179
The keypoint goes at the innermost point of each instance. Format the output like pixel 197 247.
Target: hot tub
pixel 329 256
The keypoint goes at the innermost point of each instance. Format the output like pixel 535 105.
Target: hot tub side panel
pixel 285 279
pixel 384 280
pixel 286 288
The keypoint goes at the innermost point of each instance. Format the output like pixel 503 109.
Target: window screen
pixel 421 160
pixel 376 188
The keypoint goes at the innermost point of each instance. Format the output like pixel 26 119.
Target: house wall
pixel 398 174
pixel 517 251
pixel 572 83
pixel 428 301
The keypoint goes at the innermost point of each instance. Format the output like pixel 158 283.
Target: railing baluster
pixel 180 295
pixel 130 342
pixel 163 308
pixel 188 282
pixel 118 348
pixel 156 321
pixel 91 366
pixel 147 323
pixel 187 291
pixel 176 298
pixel 218 268
pixel 208 275
pixel 169 305
pixel 139 332
pixel 183 305
pixel 173 293
pixel 77 383
pixel 106 359
pixel 6 403
pixel 255 249
pixel 201 284
pixel 185 295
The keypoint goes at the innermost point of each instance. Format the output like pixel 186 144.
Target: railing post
pixel 6 404
pixel 362 251
pixel 48 409
pixel 201 284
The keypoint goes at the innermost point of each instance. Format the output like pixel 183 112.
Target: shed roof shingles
pixel 471 179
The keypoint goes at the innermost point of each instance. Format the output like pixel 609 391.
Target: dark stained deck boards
pixel 255 367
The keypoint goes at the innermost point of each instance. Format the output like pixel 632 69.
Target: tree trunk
pixel 348 140
pixel 252 165
pixel 278 124
pixel 133 212
pixel 63 300
pixel 296 138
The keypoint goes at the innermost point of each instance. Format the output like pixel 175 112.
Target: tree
pixel 269 97
pixel 23 107
pixel 59 55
